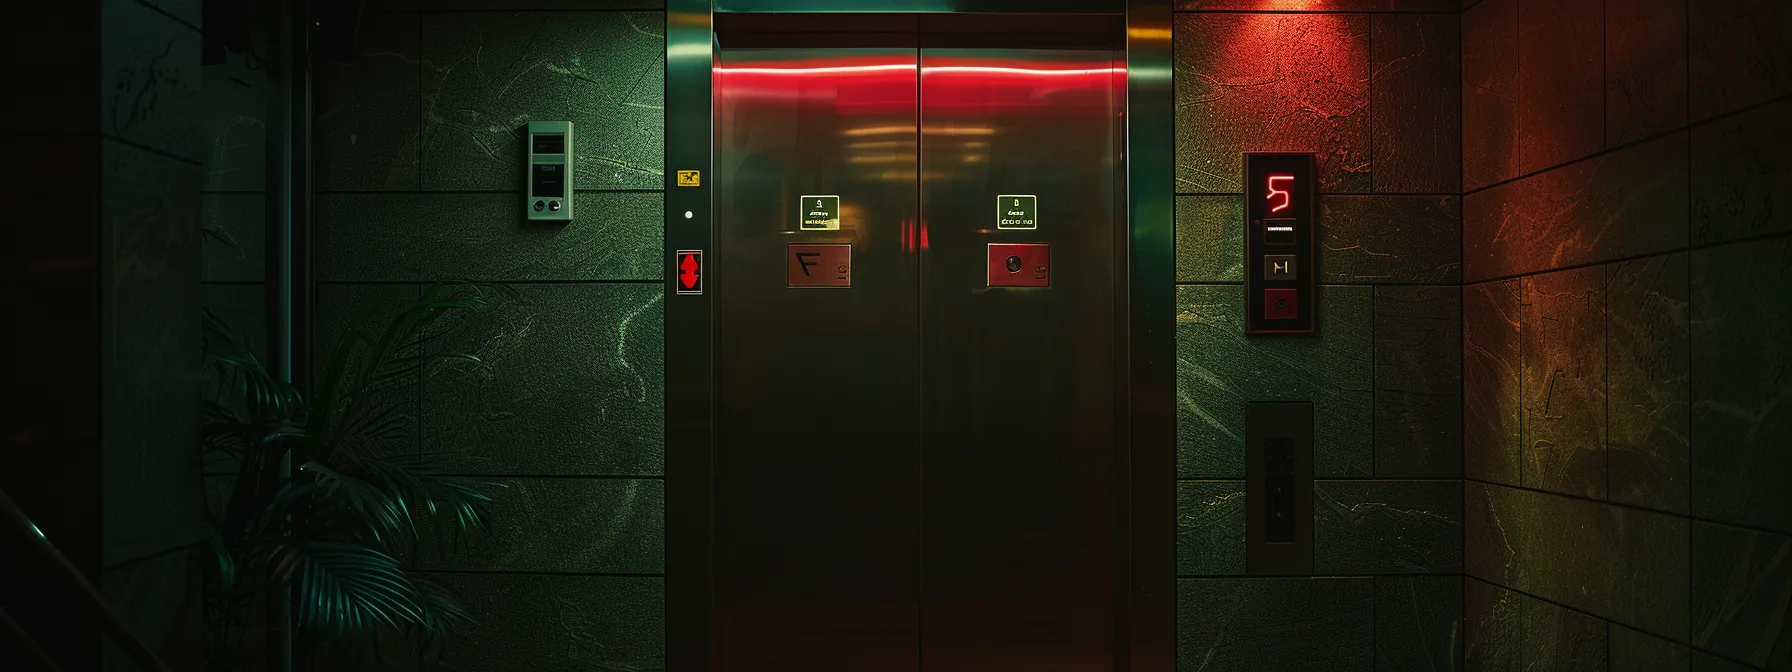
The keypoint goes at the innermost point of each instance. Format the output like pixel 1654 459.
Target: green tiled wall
pixel 1319 624
pixel 1372 94
pixel 1626 333
pixel 418 149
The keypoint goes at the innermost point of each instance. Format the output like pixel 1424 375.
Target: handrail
pixel 28 643
pixel 18 523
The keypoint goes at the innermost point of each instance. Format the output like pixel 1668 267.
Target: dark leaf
pixel 226 562
pixel 361 497
pixel 443 613
pixel 348 588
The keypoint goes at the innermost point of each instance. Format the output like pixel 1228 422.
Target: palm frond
pixel 226 561
pixel 241 378
pixel 442 611
pixel 374 427
pixel 416 489
pixel 363 498
pixel 362 363
pixel 329 384
pixel 345 587
pixel 219 235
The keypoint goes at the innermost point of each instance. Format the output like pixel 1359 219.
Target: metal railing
pixel 16 523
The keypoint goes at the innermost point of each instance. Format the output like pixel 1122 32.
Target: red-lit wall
pixel 1370 87
pixel 1627 319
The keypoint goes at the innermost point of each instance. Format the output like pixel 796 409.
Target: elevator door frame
pixel 1145 583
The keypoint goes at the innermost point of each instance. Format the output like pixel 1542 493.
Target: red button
pixel 1281 304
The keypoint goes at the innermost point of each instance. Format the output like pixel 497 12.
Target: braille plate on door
pixel 1020 265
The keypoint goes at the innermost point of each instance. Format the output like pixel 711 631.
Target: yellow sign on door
pixel 690 178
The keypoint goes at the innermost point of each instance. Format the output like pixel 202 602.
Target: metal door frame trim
pixel 1146 636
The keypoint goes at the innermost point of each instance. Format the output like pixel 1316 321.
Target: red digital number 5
pixel 1274 192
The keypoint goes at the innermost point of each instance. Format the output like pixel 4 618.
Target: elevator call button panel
pixel 1017 211
pixel 1278 444
pixel 819 213
pixel 688 266
pixel 549 196
pixel 819 265
pixel 1019 265
pixel 1279 243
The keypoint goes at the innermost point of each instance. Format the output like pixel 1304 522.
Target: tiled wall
pixel 104 294
pixel 419 170
pixel 150 172
pixel 1372 91
pixel 1627 312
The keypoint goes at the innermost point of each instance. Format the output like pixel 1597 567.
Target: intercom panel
pixel 549 196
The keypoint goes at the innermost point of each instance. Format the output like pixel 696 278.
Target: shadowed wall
pixel 1626 325
pixel 420 179
pixel 103 319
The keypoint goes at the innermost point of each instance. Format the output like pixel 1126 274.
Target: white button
pixel 687 214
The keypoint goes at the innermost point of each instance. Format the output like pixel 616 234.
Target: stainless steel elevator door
pixel 816 461
pixel 1020 457
pixel 918 471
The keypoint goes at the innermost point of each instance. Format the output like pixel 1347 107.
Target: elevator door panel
pixel 1019 451
pixel 817 518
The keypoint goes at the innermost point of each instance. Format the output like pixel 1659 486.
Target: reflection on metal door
pixel 1019 390
pixel 816 387
pixel 915 467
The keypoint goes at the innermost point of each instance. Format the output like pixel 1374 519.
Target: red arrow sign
pixel 690 271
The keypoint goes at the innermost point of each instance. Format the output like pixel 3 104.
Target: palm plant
pixel 361 492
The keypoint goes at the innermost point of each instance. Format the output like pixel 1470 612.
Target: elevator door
pixel 914 469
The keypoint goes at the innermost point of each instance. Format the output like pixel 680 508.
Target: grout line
pixel 1605 372
pixel 523 7
pixel 1637 507
pixel 1315 11
pixel 1304 577
pixel 553 477
pixel 1521 622
pixel 159 10
pixel 1691 454
pixel 1523 418
pixel 511 572
pixel 1677 250
pixel 133 144
pixel 545 281
pixel 1628 145
pixel 1375 283
pixel 417 385
pixel 1589 614
pixel 471 192
pixel 1459 656
pixel 423 117
pixel 152 555
pixel 1327 479
pixel 1335 194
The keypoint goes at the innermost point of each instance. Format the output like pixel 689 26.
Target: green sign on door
pixel 1017 211
pixel 819 213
